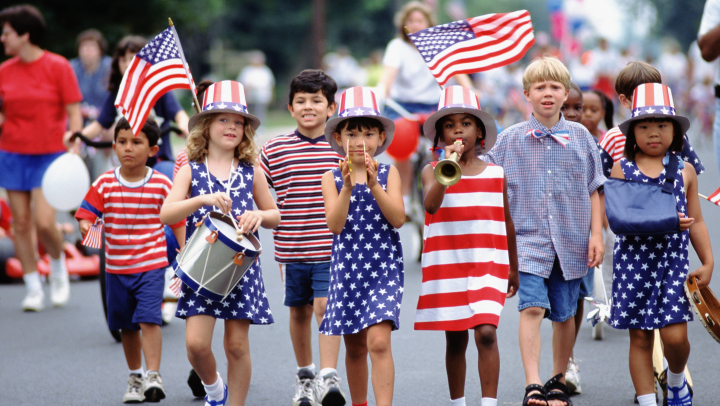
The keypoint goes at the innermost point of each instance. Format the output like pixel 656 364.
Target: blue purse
pixel 639 208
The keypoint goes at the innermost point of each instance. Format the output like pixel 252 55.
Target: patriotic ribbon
pixel 562 137
pixel 93 238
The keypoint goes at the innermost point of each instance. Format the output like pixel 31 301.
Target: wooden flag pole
pixel 187 72
pixel 704 197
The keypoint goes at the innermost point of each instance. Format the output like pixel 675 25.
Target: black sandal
pixel 557 390
pixel 535 396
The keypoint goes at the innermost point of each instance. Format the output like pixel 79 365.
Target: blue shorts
pixel 23 172
pixel 134 298
pixel 554 294
pixel 305 281
pixel 587 284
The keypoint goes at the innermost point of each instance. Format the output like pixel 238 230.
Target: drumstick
pixel 347 150
pixel 375 163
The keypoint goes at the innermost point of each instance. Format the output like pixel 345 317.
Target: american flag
pixel 158 68
pixel 715 197
pixel 475 44
pixel 176 286
pixel 93 238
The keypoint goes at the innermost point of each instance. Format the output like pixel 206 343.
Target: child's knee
pixel 197 348
pixel 379 346
pixel 485 336
pixel 642 339
pixel 236 349
pixel 534 312
pixel 301 314
pixel 675 342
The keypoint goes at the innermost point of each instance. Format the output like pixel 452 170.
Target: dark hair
pixel 310 81
pixel 201 88
pixel 356 123
pixel 25 19
pixel 633 75
pixel 93 35
pixel 609 108
pixel 631 147
pixel 575 87
pixel 150 129
pixel 131 43
pixel 439 130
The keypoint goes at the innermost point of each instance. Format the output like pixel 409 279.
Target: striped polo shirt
pixel 294 165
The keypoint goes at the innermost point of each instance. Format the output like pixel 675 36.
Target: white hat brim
pixel 254 121
pixel 487 120
pixel 683 121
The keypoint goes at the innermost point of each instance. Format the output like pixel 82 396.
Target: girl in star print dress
pixel 649 271
pixel 223 176
pixel 363 206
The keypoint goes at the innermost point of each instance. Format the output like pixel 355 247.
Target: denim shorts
pixel 554 294
pixel 24 172
pixel 587 284
pixel 134 298
pixel 305 281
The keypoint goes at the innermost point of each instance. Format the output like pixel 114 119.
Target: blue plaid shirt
pixel 549 190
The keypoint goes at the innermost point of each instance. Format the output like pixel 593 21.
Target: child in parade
pixel 294 164
pixel 469 255
pixel 223 176
pixel 363 207
pixel 596 107
pixel 129 199
pixel 553 172
pixel 648 294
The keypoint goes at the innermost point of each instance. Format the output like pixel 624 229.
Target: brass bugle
pixel 448 172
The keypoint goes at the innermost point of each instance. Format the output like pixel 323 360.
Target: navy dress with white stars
pixel 366 267
pixel 248 300
pixel 649 271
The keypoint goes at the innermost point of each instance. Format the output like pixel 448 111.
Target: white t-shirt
pixel 414 82
pixel 710 20
pixel 258 82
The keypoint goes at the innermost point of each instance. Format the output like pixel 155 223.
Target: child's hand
pixel 703 275
pixel 345 171
pixel 596 250
pixel 513 283
pixel 685 222
pixel 371 169
pixel 84 226
pixel 220 200
pixel 249 221
pixel 449 149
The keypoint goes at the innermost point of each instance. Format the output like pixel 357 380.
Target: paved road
pixel 67 357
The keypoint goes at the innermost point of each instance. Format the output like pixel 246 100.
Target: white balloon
pixel 65 182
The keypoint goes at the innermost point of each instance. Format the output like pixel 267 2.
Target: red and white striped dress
pixel 465 256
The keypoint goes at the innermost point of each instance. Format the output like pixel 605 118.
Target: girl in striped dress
pixel 469 257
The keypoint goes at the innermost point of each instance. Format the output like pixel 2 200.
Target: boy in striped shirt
pixel 128 199
pixel 294 164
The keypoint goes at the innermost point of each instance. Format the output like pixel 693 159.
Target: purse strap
pixel 671 170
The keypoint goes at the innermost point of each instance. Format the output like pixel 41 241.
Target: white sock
pixel 137 371
pixel 488 402
pixel 676 381
pixel 32 281
pixel 311 367
pixel 326 371
pixel 647 400
pixel 215 391
pixel 57 266
pixel 458 402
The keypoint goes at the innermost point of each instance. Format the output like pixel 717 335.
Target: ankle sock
pixel 488 402
pixel 676 381
pixel 310 367
pixel 138 371
pixel 647 400
pixel 325 371
pixel 32 281
pixel 215 391
pixel 57 266
pixel 458 401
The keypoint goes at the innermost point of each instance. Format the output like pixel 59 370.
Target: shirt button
pixel 549 171
pixel 550 217
pixel 550 194
pixel 548 147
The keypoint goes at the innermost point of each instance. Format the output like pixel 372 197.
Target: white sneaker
pixel 133 393
pixel 153 389
pixel 168 312
pixel 34 301
pixel 304 384
pixel 572 377
pixel 59 289
pixel 327 390
pixel 598 331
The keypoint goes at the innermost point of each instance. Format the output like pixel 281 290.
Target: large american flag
pixel 158 68
pixel 475 44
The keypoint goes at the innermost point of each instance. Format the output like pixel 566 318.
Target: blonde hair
pixel 405 12
pixel 546 68
pixel 197 141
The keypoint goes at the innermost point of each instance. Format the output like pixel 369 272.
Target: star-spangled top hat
pixel 457 99
pixel 227 96
pixel 653 100
pixel 358 102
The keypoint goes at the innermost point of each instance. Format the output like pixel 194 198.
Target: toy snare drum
pixel 213 260
pixel 705 305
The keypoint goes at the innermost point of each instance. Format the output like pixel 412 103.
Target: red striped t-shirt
pixel 614 143
pixel 134 236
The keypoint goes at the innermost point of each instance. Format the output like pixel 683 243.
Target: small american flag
pixel 715 197
pixel 475 44
pixel 158 68
pixel 176 286
pixel 93 238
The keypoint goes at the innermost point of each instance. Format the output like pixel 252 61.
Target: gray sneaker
pixel 304 383
pixel 327 390
pixel 133 394
pixel 153 389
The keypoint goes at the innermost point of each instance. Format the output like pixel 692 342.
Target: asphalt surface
pixel 66 356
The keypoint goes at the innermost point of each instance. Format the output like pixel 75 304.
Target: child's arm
pixel 267 215
pixel 179 233
pixel 433 191
pixel 390 200
pixel 336 204
pixel 177 207
pixel 617 171
pixel 513 277
pixel 596 247
pixel 84 226
pixel 698 231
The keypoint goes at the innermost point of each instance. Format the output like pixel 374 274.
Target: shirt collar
pixel 559 126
